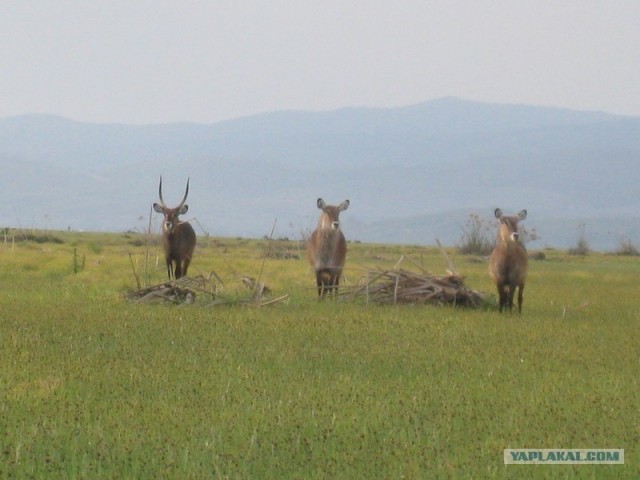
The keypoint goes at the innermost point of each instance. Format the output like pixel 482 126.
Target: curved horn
pixel 185 196
pixel 160 192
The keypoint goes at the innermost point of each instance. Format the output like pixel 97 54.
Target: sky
pixel 161 61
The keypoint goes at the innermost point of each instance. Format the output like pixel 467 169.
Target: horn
pixel 160 192
pixel 185 196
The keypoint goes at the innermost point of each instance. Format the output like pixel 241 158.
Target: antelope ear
pixel 321 204
pixel 184 209
pixel 158 208
pixel 344 205
pixel 498 213
pixel 522 215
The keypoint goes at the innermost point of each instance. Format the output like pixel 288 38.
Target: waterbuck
pixel 508 261
pixel 178 238
pixel 327 248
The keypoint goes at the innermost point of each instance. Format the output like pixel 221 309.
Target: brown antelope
pixel 178 237
pixel 327 248
pixel 508 261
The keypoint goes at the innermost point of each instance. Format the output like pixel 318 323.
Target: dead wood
pixel 405 286
pixel 208 289
pixel 181 291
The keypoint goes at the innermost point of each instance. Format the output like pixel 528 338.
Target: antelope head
pixel 330 217
pixel 171 220
pixel 508 229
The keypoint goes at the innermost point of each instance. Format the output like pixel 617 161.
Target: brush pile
pixel 181 291
pixel 403 286
pixel 185 290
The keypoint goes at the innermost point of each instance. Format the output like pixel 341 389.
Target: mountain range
pixel 412 174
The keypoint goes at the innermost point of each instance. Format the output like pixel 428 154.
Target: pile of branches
pixel 181 291
pixel 186 289
pixel 403 286
pixel 260 293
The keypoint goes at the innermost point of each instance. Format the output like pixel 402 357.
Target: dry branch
pixel 404 286
pixel 186 289
pixel 183 290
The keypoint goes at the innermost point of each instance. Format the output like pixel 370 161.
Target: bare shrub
pixel 581 248
pixel 627 248
pixel 537 255
pixel 477 237
pixel 35 236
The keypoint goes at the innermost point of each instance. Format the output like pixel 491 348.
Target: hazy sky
pixel 162 61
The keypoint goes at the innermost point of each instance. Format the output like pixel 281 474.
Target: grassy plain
pixel 95 386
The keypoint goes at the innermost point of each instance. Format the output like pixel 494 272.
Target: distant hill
pixel 412 173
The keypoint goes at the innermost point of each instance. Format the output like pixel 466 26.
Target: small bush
pixel 627 248
pixel 582 248
pixel 477 237
pixel 40 238
pixel 537 255
pixel 95 247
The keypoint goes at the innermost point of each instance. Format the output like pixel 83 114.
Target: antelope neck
pixel 507 243
pixel 327 224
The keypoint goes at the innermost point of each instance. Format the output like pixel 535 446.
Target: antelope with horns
pixel 178 237
pixel 508 261
pixel 327 248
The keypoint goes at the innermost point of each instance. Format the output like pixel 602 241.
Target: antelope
pixel 327 248
pixel 178 238
pixel 508 261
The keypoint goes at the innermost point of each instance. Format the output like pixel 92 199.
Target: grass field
pixel 95 386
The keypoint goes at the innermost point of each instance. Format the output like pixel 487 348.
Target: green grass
pixel 92 386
